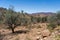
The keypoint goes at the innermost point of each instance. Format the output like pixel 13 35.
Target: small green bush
pixel 51 26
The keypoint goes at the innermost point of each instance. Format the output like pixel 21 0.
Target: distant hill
pixel 43 14
pixel 38 14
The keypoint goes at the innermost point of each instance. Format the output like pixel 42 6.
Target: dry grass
pixel 21 34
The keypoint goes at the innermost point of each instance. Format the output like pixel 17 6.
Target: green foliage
pixel 58 18
pixel 35 19
pixel 39 19
pixel 24 21
pixel 58 15
pixel 52 19
pixel 44 19
pixel 52 23
pixel 51 26
pixel 12 19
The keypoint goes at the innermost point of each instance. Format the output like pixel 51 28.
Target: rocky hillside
pixel 38 32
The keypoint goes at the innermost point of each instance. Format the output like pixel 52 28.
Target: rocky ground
pixel 39 32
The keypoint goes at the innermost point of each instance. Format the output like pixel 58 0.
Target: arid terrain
pixel 38 31
pixel 24 26
pixel 29 19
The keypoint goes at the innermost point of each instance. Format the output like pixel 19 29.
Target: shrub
pixel 57 37
pixel 39 19
pixel 51 26
pixel 12 19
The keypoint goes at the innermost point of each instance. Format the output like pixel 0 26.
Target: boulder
pixel 45 33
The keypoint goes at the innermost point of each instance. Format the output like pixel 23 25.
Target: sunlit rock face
pixel 45 33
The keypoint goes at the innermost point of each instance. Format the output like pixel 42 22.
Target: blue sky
pixel 32 6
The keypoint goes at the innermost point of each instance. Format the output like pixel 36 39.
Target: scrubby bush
pixel 12 19
pixel 38 19
pixel 58 17
pixel 33 19
pixel 51 26
pixel 44 19
pixel 57 37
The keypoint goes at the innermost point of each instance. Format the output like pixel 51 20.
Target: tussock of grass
pixel 57 37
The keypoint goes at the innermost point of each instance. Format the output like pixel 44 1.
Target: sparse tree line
pixel 14 19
